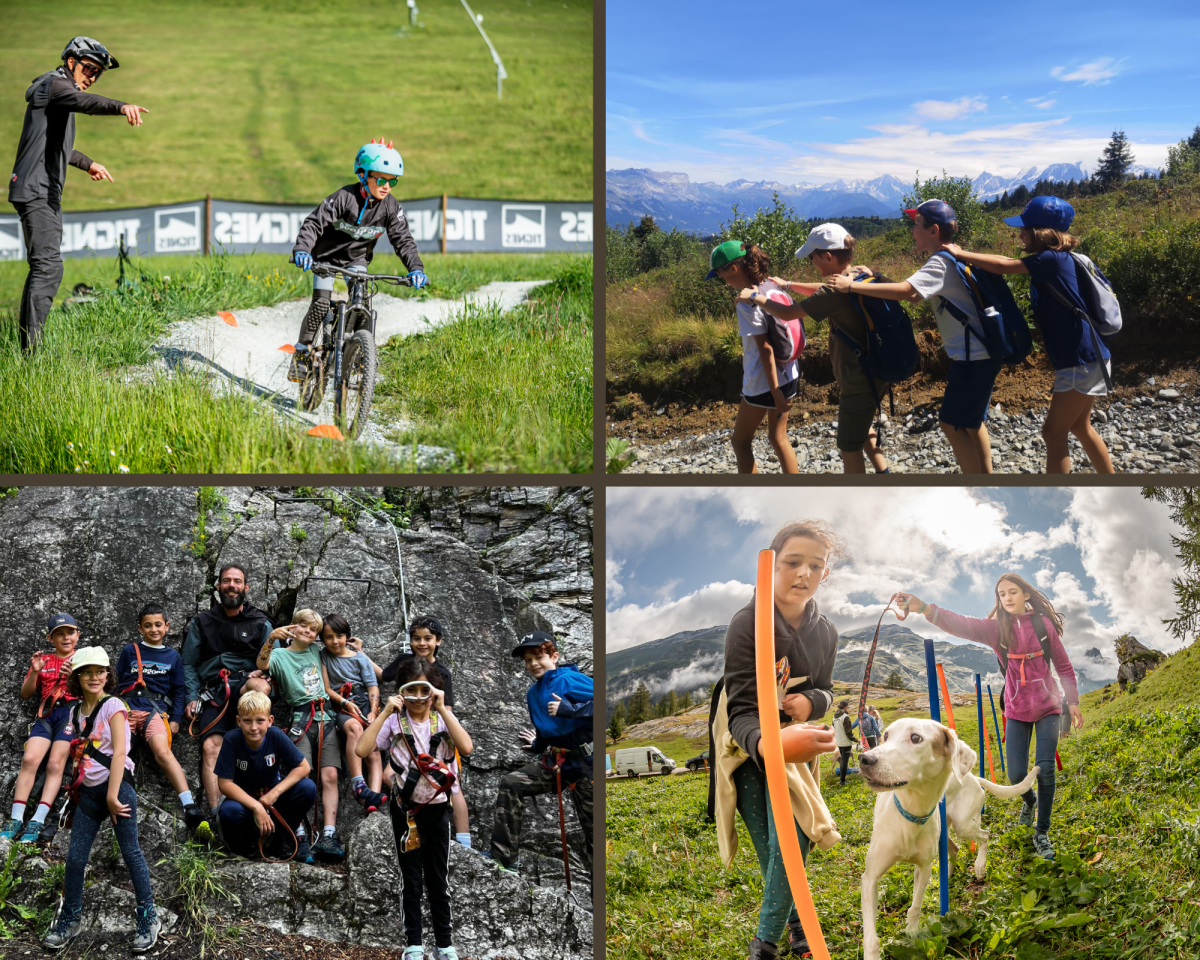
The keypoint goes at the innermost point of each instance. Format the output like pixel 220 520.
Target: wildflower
pixel 112 453
pixel 122 468
pixel 71 446
pixel 78 469
pixel 169 450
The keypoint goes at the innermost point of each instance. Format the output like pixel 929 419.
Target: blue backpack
pixel 1006 335
pixel 890 354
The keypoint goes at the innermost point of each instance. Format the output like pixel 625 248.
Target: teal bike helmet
pixel 382 159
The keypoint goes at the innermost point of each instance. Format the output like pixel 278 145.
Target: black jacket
pixel 48 136
pixel 332 233
pixel 810 651
pixel 216 640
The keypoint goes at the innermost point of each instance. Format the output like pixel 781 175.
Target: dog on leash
pixel 917 762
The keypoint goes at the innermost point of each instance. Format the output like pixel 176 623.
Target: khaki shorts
pixel 145 724
pixel 856 413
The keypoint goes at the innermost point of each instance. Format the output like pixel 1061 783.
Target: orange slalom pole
pixel 946 696
pixel 771 746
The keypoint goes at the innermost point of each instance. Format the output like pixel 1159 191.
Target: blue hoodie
pixel 573 724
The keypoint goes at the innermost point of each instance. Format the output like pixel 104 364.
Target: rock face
pixel 496 565
pixel 1136 660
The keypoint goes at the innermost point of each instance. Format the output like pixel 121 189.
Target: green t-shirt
pixel 841 313
pixel 298 678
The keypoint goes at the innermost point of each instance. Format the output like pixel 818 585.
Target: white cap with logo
pixel 824 236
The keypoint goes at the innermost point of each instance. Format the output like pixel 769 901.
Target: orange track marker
pixel 326 430
pixel 771 746
pixel 228 317
pixel 288 348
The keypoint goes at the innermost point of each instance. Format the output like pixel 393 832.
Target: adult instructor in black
pixel 47 146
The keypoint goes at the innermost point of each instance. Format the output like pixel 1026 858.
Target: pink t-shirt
pixel 94 772
pixel 390 738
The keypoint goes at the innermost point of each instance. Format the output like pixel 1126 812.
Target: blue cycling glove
pixel 418 278
pixel 302 259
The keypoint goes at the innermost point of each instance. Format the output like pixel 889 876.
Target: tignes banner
pixel 455 224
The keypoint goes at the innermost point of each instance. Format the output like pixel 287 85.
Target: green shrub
pixel 956 191
pixel 1155 273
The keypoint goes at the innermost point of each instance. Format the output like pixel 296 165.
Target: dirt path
pixel 248 356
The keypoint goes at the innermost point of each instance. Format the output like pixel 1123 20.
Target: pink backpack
pixel 786 337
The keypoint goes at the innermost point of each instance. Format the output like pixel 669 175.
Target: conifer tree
pixel 639 705
pixel 1116 161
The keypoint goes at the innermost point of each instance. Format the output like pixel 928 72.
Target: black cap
pixel 531 641
pixel 60 620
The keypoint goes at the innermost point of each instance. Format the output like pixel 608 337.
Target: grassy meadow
pixel 1126 827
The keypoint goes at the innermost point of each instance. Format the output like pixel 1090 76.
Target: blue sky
pixel 809 93
pixel 684 558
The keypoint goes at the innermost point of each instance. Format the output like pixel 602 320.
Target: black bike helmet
pixel 80 47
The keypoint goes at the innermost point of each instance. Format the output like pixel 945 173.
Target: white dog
pixel 917 762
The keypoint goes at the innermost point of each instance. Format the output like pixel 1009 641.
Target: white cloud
pixel 1041 103
pixel 613 590
pixel 950 109
pixel 712 604
pixel 699 673
pixel 1098 71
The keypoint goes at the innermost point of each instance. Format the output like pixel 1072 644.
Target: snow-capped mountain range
pixel 674 201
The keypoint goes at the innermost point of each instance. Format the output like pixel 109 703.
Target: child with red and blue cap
pixel 343 231
pixel 1081 361
pixel 973 372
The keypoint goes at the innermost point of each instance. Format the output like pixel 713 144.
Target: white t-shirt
pixel 752 321
pixel 390 737
pixel 939 279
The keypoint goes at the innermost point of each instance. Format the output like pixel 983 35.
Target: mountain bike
pixel 343 350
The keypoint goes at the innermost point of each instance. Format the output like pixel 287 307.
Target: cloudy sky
pixel 814 93
pixel 684 558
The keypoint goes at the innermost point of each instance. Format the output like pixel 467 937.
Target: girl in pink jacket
pixel 1032 698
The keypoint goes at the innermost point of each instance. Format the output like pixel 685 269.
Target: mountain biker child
pixel 805 650
pixel 260 767
pixel 766 387
pixel 420 736
pixel 47 677
pixel 342 666
pixel 343 231
pixel 560 705
pixel 150 680
pixel 963 416
pixel 424 640
pixel 830 248
pixel 1032 700
pixel 102 793
pixel 296 670
pixel 1079 357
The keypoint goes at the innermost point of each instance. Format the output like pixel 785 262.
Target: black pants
pixel 427 866
pixel 845 763
pixel 530 781
pixel 41 222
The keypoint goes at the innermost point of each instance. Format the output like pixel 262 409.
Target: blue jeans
pixel 1017 741
pixel 89 815
pixel 754 806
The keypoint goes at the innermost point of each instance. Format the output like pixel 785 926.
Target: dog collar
pixel 919 821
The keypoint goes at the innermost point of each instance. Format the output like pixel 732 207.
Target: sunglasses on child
pixel 91 70
pixel 384 181
pixel 417 690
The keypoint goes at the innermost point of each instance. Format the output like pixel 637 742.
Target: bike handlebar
pixel 329 270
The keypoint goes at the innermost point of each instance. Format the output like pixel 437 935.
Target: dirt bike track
pixel 244 348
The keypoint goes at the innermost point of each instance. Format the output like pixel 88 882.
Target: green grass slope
pixel 269 100
pixel 1124 885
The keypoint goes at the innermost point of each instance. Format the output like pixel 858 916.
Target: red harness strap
pixel 560 755
pixel 348 705
pixel 224 674
pixel 315 707
pixel 283 823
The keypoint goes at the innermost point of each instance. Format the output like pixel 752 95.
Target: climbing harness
pixel 224 675
pixel 425 766
pixel 292 833
pixel 140 683
pixel 315 707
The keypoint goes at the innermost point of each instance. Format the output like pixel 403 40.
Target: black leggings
pixel 426 867
pixel 845 762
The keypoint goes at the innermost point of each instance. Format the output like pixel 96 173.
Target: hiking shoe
pixel 762 950
pixel 797 941
pixel 370 800
pixel 301 364
pixel 445 953
pixel 11 829
pixel 304 852
pixel 33 830
pixel 49 831
pixel 330 848
pixel 506 868
pixel 192 817
pixel 148 926
pixel 1041 846
pixel 1026 817
pixel 61 934
pixel 413 953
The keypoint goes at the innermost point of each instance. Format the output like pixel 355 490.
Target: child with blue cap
pixel 1081 361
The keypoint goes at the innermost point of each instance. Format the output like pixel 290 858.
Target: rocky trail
pixel 244 350
pixel 1154 430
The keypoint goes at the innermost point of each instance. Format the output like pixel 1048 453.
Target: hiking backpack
pixel 1039 627
pixel 1006 335
pixel 786 337
pixel 1101 313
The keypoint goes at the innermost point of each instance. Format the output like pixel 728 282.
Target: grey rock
pixel 1168 394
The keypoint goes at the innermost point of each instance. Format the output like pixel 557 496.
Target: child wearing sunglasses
pixel 419 734
pixel 343 231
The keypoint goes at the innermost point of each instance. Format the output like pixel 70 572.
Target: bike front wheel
pixel 352 399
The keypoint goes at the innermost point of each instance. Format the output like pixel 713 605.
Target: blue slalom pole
pixel 979 712
pixel 935 713
pixel 996 726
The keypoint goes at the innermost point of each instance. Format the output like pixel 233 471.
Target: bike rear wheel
pixel 312 389
pixel 352 399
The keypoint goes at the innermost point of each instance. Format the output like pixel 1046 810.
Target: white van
pixel 634 760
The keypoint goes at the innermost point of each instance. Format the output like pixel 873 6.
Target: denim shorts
pixel 968 393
